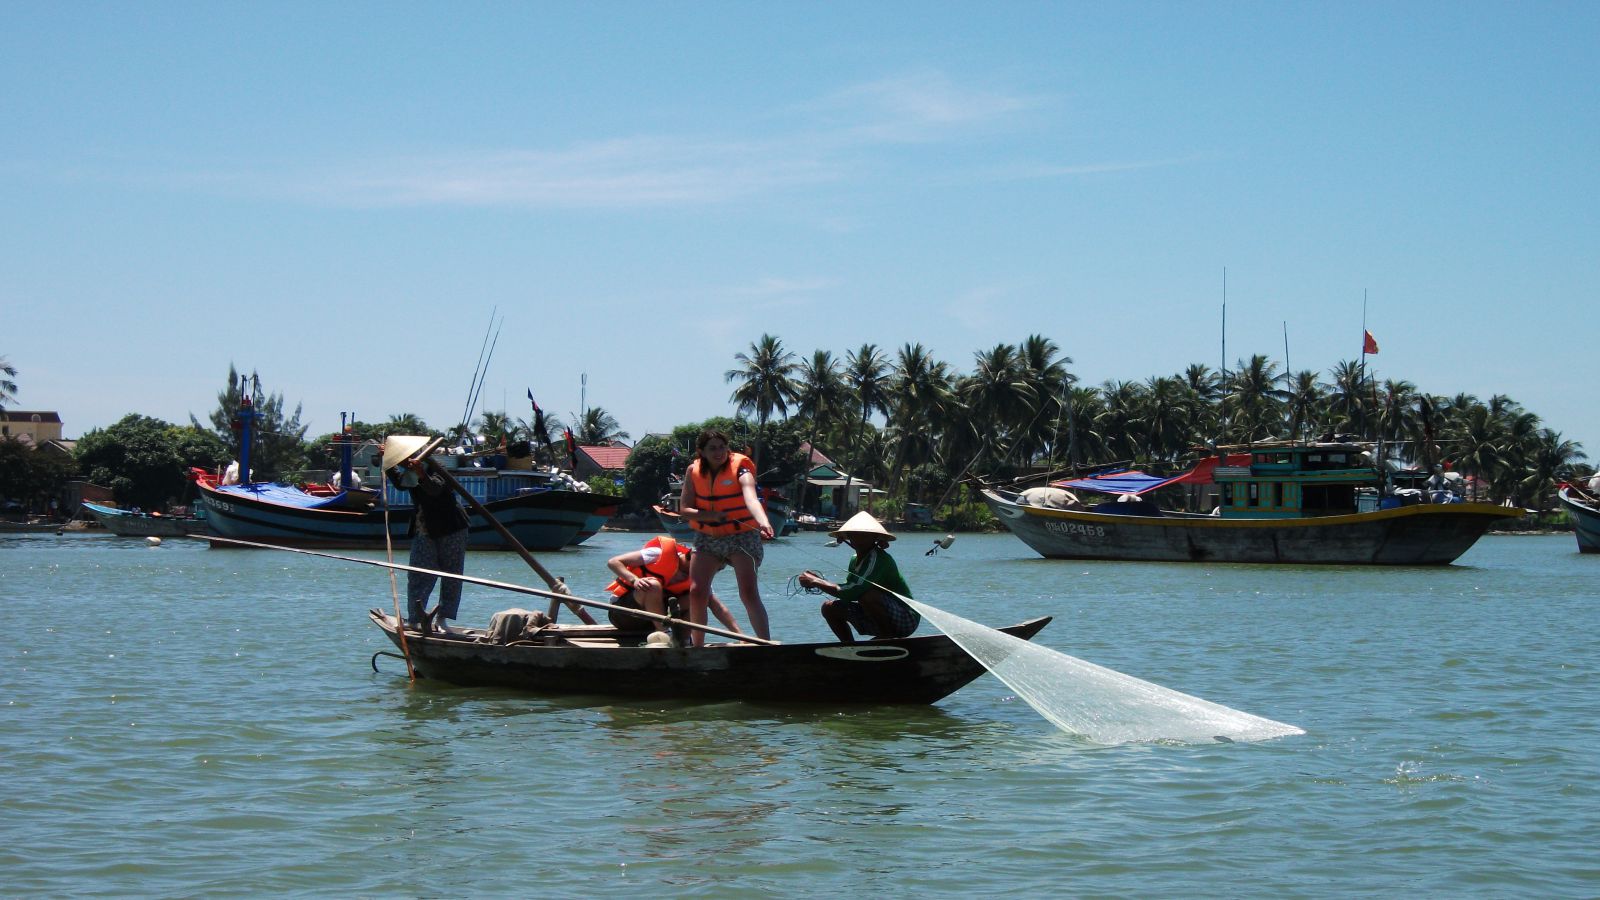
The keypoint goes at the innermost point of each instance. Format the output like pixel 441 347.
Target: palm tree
pixel 8 388
pixel 405 423
pixel 1397 413
pixel 820 397
pixel 1048 378
pixel 1119 415
pixel 1080 431
pixel 497 428
pixel 1351 396
pixel 1307 398
pixel 1255 403
pixel 598 427
pixel 867 374
pixel 1551 459
pixel 997 395
pixel 767 383
pixel 1166 418
pixel 923 395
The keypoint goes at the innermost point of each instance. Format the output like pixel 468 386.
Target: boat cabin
pixel 1296 482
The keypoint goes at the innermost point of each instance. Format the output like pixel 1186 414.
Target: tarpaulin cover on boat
pixel 279 493
pixel 1132 481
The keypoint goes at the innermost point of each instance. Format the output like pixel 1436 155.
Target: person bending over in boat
pixel 867 598
pixel 655 578
pixel 438 541
pixel 719 502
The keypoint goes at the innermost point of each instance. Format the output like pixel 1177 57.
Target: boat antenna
pixel 1224 354
pixel 481 370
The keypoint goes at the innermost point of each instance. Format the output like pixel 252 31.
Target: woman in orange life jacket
pixel 648 576
pixel 719 502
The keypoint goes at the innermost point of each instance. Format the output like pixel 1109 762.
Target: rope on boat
pixel 391 655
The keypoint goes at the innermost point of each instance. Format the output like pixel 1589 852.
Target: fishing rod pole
pixel 488 582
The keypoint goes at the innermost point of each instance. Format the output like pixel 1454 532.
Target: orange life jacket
pixel 724 495
pixel 671 567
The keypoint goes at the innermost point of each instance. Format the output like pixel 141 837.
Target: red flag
pixel 1370 345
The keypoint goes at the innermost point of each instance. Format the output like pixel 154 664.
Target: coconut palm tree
pixel 867 374
pixel 766 383
pixel 1079 432
pixel 1306 402
pixel 1122 405
pixel 821 396
pixel 598 427
pixel 1254 402
pixel 1551 458
pixel 1351 400
pixel 923 394
pixel 998 397
pixel 405 423
pixel 1397 410
pixel 496 427
pixel 1047 377
pixel 8 388
pixel 1165 416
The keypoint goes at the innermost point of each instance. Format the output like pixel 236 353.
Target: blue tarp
pixel 279 493
pixel 1125 481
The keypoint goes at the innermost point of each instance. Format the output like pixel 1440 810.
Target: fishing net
pixel 1104 706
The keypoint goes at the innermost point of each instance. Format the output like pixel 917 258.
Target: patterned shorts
pixel 902 618
pixel 723 547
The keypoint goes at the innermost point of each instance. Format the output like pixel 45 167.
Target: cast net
pixel 1105 706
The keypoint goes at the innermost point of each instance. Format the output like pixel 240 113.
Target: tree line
pixel 910 423
pixel 916 425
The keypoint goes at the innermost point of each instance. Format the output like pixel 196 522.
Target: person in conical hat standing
pixel 867 600
pixel 439 531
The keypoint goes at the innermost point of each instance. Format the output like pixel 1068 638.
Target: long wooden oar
pixel 486 582
pixel 505 534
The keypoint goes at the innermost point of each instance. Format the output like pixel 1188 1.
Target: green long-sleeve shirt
pixel 877 567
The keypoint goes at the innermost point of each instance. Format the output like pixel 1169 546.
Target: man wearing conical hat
pixel 867 601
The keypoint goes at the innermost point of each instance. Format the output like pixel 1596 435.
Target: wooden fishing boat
pixel 578 659
pixel 1585 514
pixel 1289 504
pixel 127 523
pixel 281 514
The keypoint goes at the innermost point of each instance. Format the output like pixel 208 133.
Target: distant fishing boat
pixel 1584 511
pixel 540 519
pixel 129 523
pixel 1310 503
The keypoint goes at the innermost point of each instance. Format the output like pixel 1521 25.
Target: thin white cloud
pixel 843 137
pixel 1031 171
pixel 784 287
pixel 630 172
pixel 917 106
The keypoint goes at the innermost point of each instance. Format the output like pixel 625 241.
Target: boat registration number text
pixel 1078 528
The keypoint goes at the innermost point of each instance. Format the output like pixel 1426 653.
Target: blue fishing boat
pixel 1301 503
pixel 1584 511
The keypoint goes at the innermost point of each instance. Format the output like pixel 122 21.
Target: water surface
pixel 181 721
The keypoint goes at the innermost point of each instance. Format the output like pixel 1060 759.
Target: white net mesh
pixel 1104 706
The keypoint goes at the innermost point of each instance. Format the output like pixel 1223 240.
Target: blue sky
pixel 339 195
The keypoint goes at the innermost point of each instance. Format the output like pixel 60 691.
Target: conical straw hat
pixel 398 448
pixel 862 523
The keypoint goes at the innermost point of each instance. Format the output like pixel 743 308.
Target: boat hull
pixel 1420 535
pixel 1585 522
pixel 131 524
pixel 542 521
pixel 908 670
